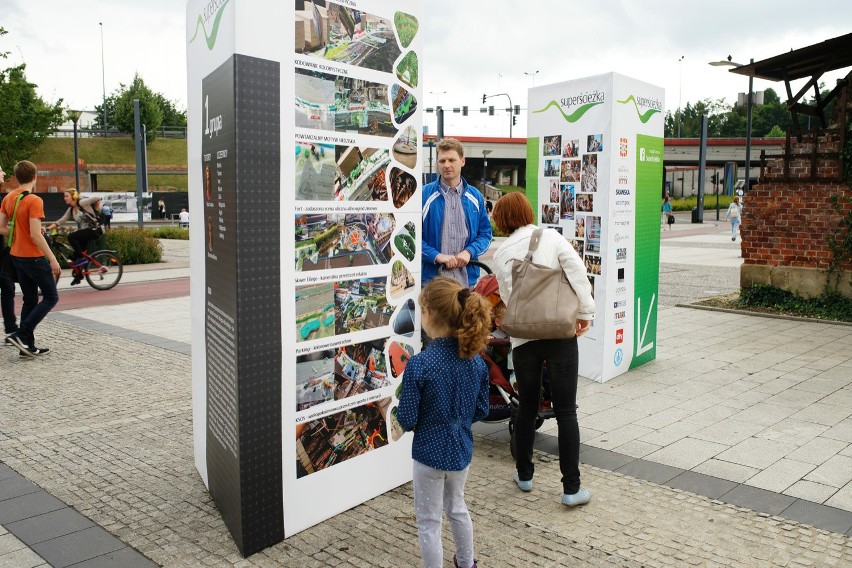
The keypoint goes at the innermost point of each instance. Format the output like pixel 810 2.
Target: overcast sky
pixel 469 47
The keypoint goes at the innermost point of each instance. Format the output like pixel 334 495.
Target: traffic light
pixel 464 111
pixel 514 120
pixel 517 109
pixel 491 111
pixel 483 98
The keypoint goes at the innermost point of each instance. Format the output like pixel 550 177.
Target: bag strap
pixel 11 238
pixel 534 240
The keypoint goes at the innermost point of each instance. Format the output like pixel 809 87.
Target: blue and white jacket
pixel 478 227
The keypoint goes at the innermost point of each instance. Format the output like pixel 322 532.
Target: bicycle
pixel 102 269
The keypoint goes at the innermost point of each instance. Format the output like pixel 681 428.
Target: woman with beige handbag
pixel 527 246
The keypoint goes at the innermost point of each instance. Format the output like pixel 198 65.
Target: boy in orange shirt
pixel 34 261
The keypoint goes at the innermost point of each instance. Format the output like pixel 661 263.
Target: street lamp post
pixel 533 74
pixel 484 167
pixel 103 74
pixel 749 104
pixel 679 93
pixel 74 115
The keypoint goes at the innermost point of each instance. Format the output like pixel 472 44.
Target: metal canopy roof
pixel 808 61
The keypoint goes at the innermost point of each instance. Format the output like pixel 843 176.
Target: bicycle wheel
pixel 104 270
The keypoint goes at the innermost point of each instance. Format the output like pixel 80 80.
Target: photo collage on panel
pixel 356 226
pixel 569 189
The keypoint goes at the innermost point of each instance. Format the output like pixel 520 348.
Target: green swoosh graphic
pixel 642 117
pixel 574 116
pixel 211 39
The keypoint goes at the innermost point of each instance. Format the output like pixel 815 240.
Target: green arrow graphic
pixel 211 39
pixel 643 117
pixel 574 116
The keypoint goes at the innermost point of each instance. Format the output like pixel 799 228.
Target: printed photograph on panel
pixel 405 241
pixel 401 280
pixel 549 214
pixel 402 185
pixel 593 264
pixel 342 241
pixel 408 70
pixel 343 104
pixel 554 191
pixel 314 311
pixel 578 246
pixel 580 229
pixel 360 304
pixel 406 27
pixel 333 439
pixel 335 374
pixel 552 145
pixel 405 148
pixel 571 149
pixel 570 171
pixel 404 104
pixel 316 171
pixel 551 168
pixel 332 32
pixel 589 180
pixel 585 202
pixel 595 143
pixel 360 174
pixel 566 201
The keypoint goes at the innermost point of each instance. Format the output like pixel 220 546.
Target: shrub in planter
pixel 134 246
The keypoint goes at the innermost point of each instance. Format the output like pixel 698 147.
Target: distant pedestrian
pixel 444 390
pixel 668 218
pixel 184 218
pixel 35 263
pixel 161 208
pixel 106 215
pixel 7 284
pixel 734 214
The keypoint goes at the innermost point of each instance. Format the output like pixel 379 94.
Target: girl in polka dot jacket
pixel 444 390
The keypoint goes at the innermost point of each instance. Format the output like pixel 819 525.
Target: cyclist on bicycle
pixel 85 213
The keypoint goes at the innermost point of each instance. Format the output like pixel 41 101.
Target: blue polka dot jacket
pixel 442 395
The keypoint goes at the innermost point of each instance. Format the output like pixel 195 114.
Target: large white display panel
pixel 304 157
pixel 594 165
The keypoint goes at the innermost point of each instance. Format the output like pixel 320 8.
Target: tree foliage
pixel 25 118
pixel 730 121
pixel 119 103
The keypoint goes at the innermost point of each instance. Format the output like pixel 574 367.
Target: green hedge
pixel 134 246
pixel 170 232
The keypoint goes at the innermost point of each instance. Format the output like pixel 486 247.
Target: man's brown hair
pixel 25 171
pixel 511 212
pixel 447 144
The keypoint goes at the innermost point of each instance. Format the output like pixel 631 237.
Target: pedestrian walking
pixel 21 213
pixel 734 214
pixel 444 390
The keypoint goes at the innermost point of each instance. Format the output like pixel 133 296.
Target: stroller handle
pixel 481 265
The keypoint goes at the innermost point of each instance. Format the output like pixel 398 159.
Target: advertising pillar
pixel 304 181
pixel 595 173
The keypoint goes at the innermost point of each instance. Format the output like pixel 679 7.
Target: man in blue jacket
pixel 456 228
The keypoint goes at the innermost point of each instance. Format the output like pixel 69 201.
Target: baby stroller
pixel 503 397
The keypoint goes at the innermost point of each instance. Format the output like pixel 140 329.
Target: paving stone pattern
pixel 106 428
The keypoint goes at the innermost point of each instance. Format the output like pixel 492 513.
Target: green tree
pixel 171 115
pixel 150 113
pixel 25 118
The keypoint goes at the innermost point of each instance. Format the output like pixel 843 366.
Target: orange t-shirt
pixel 30 207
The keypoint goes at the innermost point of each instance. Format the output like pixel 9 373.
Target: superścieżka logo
pixel 579 103
pixel 212 9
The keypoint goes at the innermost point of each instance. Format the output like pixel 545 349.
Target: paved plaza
pixel 732 448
